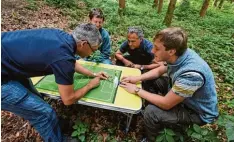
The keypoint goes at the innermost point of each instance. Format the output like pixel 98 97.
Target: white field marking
pixel 104 83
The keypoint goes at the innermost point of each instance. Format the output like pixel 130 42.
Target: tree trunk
pixel 204 8
pixel 160 5
pixel 122 4
pixel 155 3
pixel 168 18
pixel 215 3
pixel 220 4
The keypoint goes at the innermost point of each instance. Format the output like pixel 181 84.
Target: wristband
pixel 138 89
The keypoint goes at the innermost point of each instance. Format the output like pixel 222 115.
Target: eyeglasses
pixel 90 47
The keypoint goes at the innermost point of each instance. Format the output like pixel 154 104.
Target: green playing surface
pixel 104 92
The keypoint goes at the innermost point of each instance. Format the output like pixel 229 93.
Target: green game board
pixel 104 92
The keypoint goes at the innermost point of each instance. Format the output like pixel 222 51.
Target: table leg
pixel 129 119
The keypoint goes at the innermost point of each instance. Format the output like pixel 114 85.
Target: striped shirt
pixel 187 83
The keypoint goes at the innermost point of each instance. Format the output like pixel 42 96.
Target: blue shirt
pixel 105 48
pixel 38 52
pixel 143 52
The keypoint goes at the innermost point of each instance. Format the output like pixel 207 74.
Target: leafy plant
pixel 166 135
pixel 201 134
pixel 62 3
pixel 80 130
pixel 227 121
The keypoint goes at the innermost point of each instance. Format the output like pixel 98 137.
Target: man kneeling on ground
pixel 190 95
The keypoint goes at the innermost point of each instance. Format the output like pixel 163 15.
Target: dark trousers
pixel 156 118
pixel 134 60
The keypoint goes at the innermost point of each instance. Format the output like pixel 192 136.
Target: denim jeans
pixel 156 118
pixel 18 99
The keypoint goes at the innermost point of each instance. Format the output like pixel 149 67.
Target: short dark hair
pixel 96 12
pixel 173 38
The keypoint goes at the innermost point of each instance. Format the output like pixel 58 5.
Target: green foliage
pixel 227 121
pixel 32 5
pixel 167 135
pixel 201 134
pixel 95 57
pixel 80 130
pixel 230 103
pixel 95 137
pixel 62 3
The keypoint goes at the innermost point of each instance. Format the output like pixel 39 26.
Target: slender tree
pixel 155 3
pixel 215 3
pixel 168 18
pixel 220 4
pixel 204 8
pixel 160 5
pixel 122 4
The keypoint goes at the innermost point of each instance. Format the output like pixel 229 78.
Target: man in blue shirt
pixel 39 52
pixel 139 50
pixel 189 89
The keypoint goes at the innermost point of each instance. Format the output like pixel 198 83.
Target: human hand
pixel 102 75
pixel 137 66
pixel 129 87
pixel 93 83
pixel 129 64
pixel 130 79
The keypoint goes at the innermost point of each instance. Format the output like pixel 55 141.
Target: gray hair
pixel 137 30
pixel 88 32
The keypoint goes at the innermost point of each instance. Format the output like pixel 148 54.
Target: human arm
pixel 152 74
pixel 63 71
pixel 80 69
pixel 185 86
pixel 119 56
pixel 148 67
pixel 164 102
pixel 70 96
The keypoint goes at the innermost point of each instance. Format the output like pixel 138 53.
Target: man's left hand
pixel 102 75
pixel 129 87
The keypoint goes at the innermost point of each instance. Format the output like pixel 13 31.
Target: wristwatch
pixel 137 90
pixel 94 74
pixel 142 67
